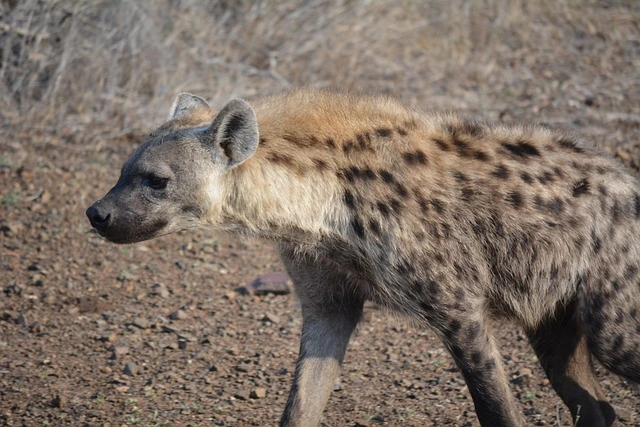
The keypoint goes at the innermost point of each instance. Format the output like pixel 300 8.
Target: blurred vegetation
pixel 71 65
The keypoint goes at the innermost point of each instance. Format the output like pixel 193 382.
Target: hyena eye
pixel 155 182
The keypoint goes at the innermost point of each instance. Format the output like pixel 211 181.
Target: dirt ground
pixel 156 333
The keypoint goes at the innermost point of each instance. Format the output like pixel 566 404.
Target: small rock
pixel 275 283
pixel 59 401
pixel 182 343
pixel 12 228
pixel 258 393
pixel 270 317
pixel 241 395
pixel 178 315
pixel 130 369
pixel 160 290
pixel 22 320
pixel 141 323
pixel 119 351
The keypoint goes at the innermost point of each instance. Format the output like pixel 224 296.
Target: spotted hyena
pixel 455 223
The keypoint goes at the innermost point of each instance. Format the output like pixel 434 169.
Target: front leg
pixel 328 319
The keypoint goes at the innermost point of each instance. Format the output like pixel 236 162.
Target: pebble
pixel 59 401
pixel 274 283
pixel 130 369
pixel 160 290
pixel 22 320
pixel 270 317
pixel 119 351
pixel 178 315
pixel 141 323
pixel 241 395
pixel 258 393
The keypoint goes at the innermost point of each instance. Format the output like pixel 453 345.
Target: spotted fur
pixel 454 223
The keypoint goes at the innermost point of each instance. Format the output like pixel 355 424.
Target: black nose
pixel 99 218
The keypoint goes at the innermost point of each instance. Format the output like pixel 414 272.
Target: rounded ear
pixel 235 131
pixel 185 104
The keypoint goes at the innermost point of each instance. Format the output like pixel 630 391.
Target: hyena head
pixel 174 180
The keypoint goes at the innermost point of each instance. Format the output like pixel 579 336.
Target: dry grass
pixel 66 65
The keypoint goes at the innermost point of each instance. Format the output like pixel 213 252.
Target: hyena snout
pixel 99 216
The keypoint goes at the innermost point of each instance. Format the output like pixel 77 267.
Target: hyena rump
pixel 451 222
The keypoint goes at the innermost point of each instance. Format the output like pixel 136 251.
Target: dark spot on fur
pixel 438 205
pixel 633 313
pixel 501 172
pixel 570 145
pixel 357 227
pixel 281 159
pixel 347 174
pixel 616 211
pixel 396 206
pixel 362 141
pixel 441 144
pixel 472 128
pixel 636 204
pixel 350 200
pixel 558 172
pixel 526 178
pixel 296 140
pixel 595 241
pixel 459 293
pixel 348 146
pixel 415 158
pixel 521 149
pixel 330 143
pixel 617 343
pixel 556 206
pixel 457 352
pixel 386 176
pixel 515 198
pixel 537 201
pixel 490 365
pixel 580 188
pixel 320 164
pixel 460 177
pixel 461 146
pixel 454 326
pixel 480 155
pixel 367 174
pixel 375 227
pixel 401 190
pixel 631 272
pixel 546 177
pixel 263 141
pixel 383 132
pixel 468 194
pixel 476 358
pixel 401 131
pixel 384 209
pixel 474 331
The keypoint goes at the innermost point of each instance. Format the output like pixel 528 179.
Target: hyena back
pixel 452 222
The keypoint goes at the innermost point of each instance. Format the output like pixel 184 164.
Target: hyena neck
pixel 278 204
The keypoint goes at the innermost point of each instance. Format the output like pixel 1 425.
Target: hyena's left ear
pixel 186 104
pixel 234 132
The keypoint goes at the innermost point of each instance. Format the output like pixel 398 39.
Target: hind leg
pixel 561 347
pixel 612 318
